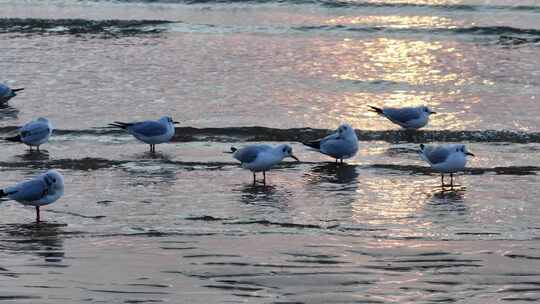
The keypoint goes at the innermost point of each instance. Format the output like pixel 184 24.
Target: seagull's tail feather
pixel 17 90
pixel 316 144
pixel 16 138
pixel 233 149
pixel 4 193
pixel 121 125
pixel 376 110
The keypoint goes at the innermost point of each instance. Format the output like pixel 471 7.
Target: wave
pixel 107 28
pixel 122 28
pixel 446 7
pixel 233 134
pixel 353 4
pixel 89 163
pixel 256 133
pixel 502 32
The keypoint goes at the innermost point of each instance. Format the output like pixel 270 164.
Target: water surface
pixel 187 225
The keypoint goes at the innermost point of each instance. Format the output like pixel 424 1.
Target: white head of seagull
pixel 42 190
pixel 259 158
pixel 151 132
pixel 407 117
pixel 342 144
pixel 445 158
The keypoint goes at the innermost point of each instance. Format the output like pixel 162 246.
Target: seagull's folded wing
pixel 29 191
pixel 249 153
pixel 148 128
pixel 437 155
pixel 402 115
pixel 334 147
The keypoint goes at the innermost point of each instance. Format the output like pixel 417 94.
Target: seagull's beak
pixel 470 154
pixel 294 157
pixel 175 122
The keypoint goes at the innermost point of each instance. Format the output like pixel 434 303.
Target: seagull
pixel 151 132
pixel 340 145
pixel 42 190
pixel 6 93
pixel 259 158
pixel 34 133
pixel 408 117
pixel 445 159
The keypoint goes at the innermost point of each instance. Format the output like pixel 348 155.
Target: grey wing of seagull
pixel 317 144
pixel 333 146
pixel 330 137
pixel 34 131
pixel 4 91
pixel 402 115
pixel 249 153
pixel 29 191
pixel 437 155
pixel 148 128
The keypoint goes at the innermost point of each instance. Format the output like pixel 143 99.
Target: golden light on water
pixel 394 21
pixel 414 62
pixel 384 68
pixel 401 200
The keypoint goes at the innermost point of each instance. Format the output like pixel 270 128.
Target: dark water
pixel 186 226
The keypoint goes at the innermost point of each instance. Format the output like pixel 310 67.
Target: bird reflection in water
pixel 34 155
pixel 42 239
pixel 330 173
pixel 265 196
pixel 448 200
pixel 153 155
pixel 8 112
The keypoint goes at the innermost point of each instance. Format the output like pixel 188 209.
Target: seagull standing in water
pixel 259 158
pixel 6 93
pixel 42 190
pixel 408 117
pixel 445 159
pixel 34 133
pixel 340 145
pixel 152 132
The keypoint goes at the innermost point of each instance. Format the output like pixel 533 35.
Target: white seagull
pixel 259 158
pixel 445 159
pixel 152 132
pixel 6 93
pixel 408 117
pixel 42 190
pixel 34 133
pixel 340 145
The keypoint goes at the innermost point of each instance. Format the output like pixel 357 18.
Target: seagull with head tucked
pixel 445 159
pixel 408 117
pixel 261 158
pixel 342 144
pixel 152 132
pixel 42 190
pixel 6 93
pixel 34 133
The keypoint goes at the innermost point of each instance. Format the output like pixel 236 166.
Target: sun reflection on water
pixel 413 62
pixel 408 207
pixel 400 22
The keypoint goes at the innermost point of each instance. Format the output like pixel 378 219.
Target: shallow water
pixel 186 225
